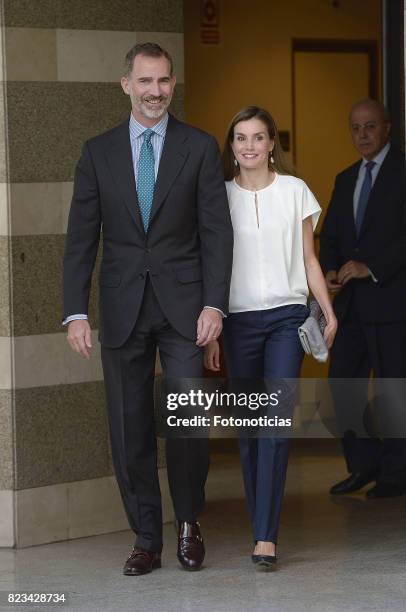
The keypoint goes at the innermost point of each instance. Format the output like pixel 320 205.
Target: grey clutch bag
pixel 311 333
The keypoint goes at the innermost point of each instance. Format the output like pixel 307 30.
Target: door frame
pixel 370 47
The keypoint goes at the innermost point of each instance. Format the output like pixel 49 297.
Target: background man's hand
pixel 209 326
pixel 212 356
pixel 352 269
pixel 332 282
pixel 79 337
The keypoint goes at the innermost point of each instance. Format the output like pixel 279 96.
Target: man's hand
pixel 79 337
pixel 209 326
pixel 332 282
pixel 212 356
pixel 352 269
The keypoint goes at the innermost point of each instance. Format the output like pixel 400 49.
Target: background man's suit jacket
pixel 187 249
pixel 381 244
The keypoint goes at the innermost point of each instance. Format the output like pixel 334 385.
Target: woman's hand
pixel 331 329
pixel 212 356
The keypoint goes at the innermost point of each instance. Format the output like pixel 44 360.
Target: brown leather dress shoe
pixel 141 562
pixel 190 546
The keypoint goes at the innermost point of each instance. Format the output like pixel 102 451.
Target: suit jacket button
pixel 357 250
pixel 142 276
pixel 148 250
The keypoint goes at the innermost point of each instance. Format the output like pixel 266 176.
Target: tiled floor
pixel 334 553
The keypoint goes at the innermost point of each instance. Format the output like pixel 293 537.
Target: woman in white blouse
pixel 274 264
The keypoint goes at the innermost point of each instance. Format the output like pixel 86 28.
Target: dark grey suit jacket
pixel 381 244
pixel 187 250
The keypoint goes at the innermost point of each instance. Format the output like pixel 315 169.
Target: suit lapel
pixel 173 158
pixel 119 157
pixel 349 206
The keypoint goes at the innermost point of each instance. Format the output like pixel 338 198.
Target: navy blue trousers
pixel 264 344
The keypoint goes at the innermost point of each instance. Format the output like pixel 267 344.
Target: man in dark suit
pixel 154 187
pixel 363 255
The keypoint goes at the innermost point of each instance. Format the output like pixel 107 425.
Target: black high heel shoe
pixel 265 562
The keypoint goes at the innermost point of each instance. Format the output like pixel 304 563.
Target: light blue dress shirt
pixel 157 140
pixel 378 159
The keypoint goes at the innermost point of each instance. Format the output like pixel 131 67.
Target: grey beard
pixel 150 113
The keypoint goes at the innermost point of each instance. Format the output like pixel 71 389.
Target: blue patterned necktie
pixel 364 196
pixel 146 178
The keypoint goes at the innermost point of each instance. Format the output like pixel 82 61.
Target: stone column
pixel 61 64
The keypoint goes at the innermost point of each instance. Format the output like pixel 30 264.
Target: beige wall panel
pixel 70 510
pixel 7 519
pixel 31 54
pixel 39 208
pixel 42 515
pixel 47 359
pixel 97 56
pixel 95 507
pixel 92 55
pixel 6 381
pixel 4 225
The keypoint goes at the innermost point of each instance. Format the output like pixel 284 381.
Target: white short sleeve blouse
pixel 268 264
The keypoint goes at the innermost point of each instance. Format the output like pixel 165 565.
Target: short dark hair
pixel 150 50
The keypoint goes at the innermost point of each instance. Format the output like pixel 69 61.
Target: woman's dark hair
pixel 279 165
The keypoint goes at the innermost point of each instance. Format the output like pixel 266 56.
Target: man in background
pixel 363 256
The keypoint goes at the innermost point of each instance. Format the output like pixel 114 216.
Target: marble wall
pixel 60 68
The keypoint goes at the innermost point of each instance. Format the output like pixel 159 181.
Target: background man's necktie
pixel 146 178
pixel 364 196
